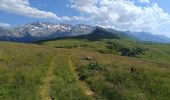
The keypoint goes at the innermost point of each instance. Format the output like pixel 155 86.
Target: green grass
pixel 25 68
pixel 155 52
pixel 22 67
pixel 76 44
pixel 66 86
pixel 148 81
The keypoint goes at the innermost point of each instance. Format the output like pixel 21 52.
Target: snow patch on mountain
pixel 43 30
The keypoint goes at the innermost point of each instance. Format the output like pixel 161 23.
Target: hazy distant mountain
pixel 146 36
pixel 40 31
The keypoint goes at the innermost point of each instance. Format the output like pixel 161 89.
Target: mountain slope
pixel 98 34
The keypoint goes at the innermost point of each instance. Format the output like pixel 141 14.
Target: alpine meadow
pixel 84 50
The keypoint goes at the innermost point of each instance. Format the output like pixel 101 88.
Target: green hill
pixel 98 66
pixel 113 43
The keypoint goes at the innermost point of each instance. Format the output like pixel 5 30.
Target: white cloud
pixel 4 25
pixel 144 1
pixel 119 14
pixel 122 14
pixel 22 7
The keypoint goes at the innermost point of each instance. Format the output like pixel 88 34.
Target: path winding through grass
pixel 45 88
pixel 47 82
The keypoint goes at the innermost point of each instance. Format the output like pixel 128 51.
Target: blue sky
pixel 134 15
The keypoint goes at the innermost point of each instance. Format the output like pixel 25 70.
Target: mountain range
pixel 44 30
pixel 41 31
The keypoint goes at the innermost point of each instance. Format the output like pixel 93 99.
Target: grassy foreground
pixel 113 77
pixel 32 72
pixel 83 70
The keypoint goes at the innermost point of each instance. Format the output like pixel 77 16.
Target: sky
pixel 126 15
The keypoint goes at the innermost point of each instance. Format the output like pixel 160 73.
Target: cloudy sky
pixel 134 15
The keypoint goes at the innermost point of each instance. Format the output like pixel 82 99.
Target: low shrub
pixel 90 70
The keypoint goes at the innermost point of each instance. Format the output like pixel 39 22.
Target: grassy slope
pixel 22 67
pixel 32 72
pixel 25 70
pixel 157 52
pixel 149 81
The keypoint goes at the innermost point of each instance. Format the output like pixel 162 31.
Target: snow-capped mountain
pixel 45 30
pixel 40 31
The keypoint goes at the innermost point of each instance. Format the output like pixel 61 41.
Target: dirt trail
pixel 87 91
pixel 47 81
pixel 45 88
